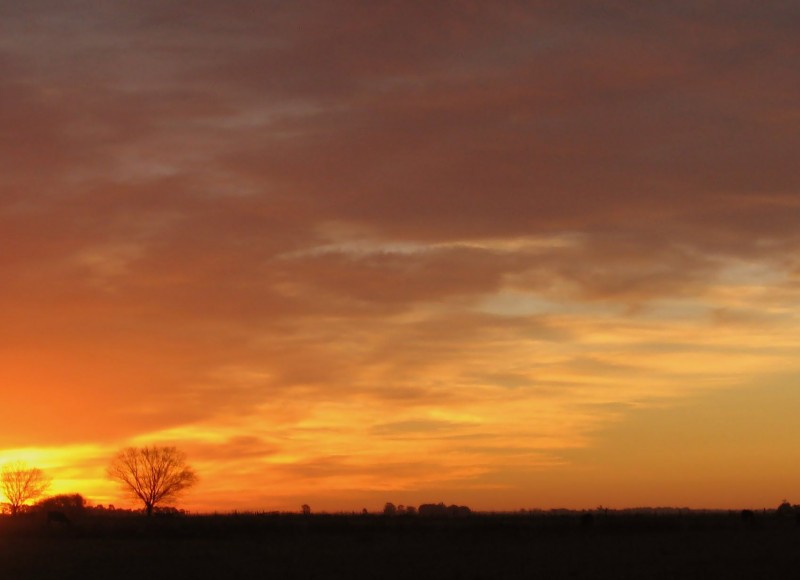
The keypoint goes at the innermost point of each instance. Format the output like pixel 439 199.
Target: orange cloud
pixel 344 254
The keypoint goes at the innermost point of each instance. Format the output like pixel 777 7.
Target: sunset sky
pixel 507 254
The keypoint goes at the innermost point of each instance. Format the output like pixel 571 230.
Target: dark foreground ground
pixel 375 547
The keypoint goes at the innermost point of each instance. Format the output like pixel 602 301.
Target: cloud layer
pixel 395 248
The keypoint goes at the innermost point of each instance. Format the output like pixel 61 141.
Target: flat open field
pixel 351 547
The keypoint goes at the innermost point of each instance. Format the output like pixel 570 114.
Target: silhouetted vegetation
pixel 440 509
pixel 61 510
pixel 73 504
pixel 152 474
pixel 21 484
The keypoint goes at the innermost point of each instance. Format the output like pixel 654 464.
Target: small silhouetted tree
pixel 306 509
pixel 21 484
pixel 152 474
pixel 785 509
pixel 389 509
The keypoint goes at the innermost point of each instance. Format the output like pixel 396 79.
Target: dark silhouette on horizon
pixel 152 474
pixel 21 484
pixel 440 509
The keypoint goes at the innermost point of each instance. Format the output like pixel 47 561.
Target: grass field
pixel 351 547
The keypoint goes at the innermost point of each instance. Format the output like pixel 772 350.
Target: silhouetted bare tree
pixel 21 484
pixel 152 474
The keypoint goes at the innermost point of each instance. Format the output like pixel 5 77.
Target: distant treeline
pixel 76 507
pixel 95 522
pixel 427 509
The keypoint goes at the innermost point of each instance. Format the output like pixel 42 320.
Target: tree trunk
pixel 149 509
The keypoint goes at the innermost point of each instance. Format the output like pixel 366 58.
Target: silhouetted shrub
pixel 442 510
pixel 785 509
pixel 72 505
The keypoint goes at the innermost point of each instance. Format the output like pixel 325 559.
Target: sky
pixel 510 254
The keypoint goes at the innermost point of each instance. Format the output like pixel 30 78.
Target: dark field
pixel 348 547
